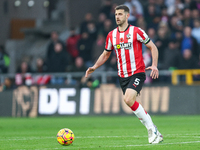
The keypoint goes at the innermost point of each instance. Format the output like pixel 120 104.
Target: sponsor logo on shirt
pixel 123 45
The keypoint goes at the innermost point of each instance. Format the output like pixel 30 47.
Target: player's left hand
pixel 89 71
pixel 154 72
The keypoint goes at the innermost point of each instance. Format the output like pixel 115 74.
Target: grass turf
pixel 99 132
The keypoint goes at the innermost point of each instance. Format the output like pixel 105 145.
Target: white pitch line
pixel 165 143
pixel 91 137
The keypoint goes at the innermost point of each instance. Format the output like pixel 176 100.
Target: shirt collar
pixel 124 30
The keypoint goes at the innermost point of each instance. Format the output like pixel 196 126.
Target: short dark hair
pixel 124 7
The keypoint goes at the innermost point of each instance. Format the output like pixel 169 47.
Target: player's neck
pixel 123 27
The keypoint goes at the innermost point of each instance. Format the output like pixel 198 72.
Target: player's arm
pixel 101 60
pixel 154 52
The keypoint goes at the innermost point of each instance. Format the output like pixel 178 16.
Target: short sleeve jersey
pixel 128 48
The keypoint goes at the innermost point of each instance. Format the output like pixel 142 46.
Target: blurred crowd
pixel 173 25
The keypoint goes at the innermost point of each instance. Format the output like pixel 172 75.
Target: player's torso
pixel 128 51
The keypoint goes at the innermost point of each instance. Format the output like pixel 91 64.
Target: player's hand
pixel 89 71
pixel 154 72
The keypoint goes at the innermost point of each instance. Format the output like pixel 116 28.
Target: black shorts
pixel 135 82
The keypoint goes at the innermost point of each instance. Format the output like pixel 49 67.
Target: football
pixel 65 137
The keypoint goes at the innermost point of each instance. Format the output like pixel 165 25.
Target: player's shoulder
pixel 135 27
pixel 111 32
pixel 140 29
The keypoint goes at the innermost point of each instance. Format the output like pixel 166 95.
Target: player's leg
pixel 132 89
pixel 143 116
pixel 154 135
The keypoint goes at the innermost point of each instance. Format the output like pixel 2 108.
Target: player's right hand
pixel 89 71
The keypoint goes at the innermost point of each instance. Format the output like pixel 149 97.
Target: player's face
pixel 120 17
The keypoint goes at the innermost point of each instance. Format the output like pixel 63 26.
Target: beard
pixel 120 22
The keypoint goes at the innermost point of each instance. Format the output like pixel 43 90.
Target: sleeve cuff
pixel 108 50
pixel 147 41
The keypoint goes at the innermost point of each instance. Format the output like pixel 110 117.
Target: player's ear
pixel 127 15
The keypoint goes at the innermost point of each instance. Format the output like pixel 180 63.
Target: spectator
pixel 139 7
pixel 100 24
pixel 188 4
pixel 196 30
pixel 107 27
pixel 149 2
pixel 24 68
pixel 151 17
pixel 141 23
pixel 170 60
pixel 190 42
pixel 195 4
pixel 178 37
pixel 195 14
pixel 23 75
pixel 83 26
pixel 171 56
pixel 136 10
pixel 78 66
pixel 58 60
pixel 54 40
pixel 172 8
pixel 106 8
pixel 161 42
pixel 169 3
pixel 175 24
pixel 40 65
pixel 179 14
pixel 164 16
pixel 92 31
pixel 85 48
pixel 71 44
pixel 7 85
pixel 187 18
pixel 137 4
pixel 188 61
pixel 152 34
pixel 160 5
pixel 133 16
pixel 97 47
pixel 112 14
pixel 4 60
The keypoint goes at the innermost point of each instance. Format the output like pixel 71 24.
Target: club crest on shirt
pixel 128 36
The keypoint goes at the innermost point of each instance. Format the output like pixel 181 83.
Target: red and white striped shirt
pixel 128 49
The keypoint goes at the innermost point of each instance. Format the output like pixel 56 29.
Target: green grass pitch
pixel 99 132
